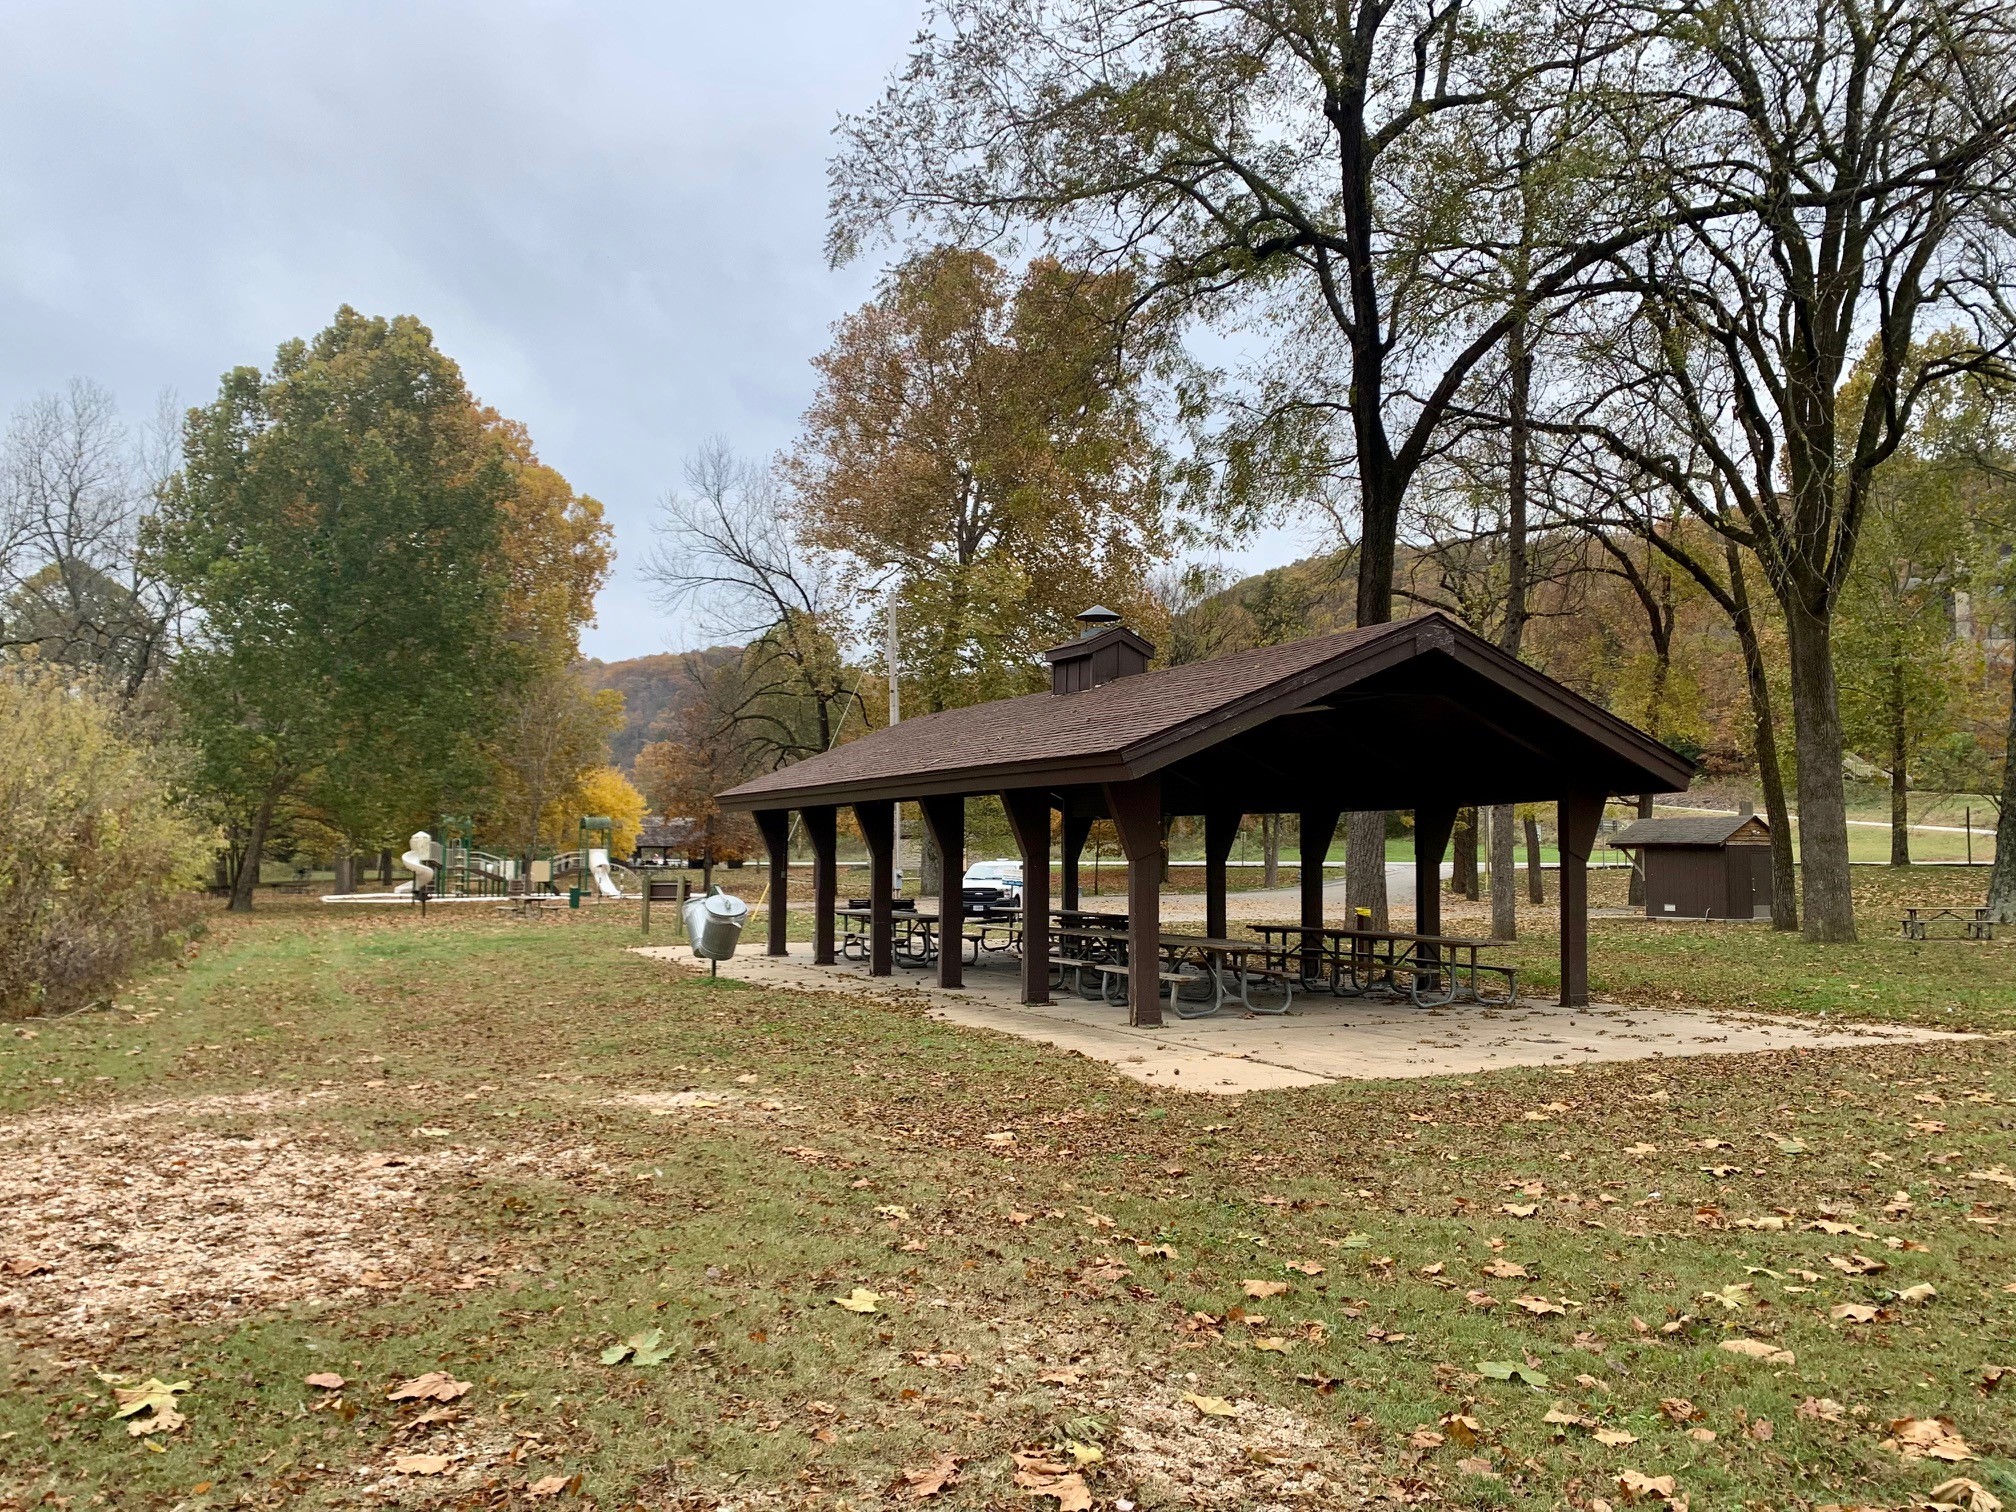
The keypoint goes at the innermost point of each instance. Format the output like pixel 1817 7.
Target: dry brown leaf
pixel 1211 1406
pixel 422 1464
pixel 1852 1312
pixel 326 1380
pixel 1927 1438
pixel 1615 1438
pixel 928 1480
pixel 547 1485
pixel 1539 1307
pixel 1263 1289
pixel 1425 1438
pixel 1505 1270
pixel 1821 1409
pixel 1964 1495
pixel 1679 1409
pixel 1481 1299
pixel 1638 1487
pixel 434 1386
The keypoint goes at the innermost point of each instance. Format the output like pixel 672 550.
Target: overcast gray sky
pixel 611 215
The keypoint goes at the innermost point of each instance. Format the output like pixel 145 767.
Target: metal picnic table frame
pixel 1358 962
pixel 1224 963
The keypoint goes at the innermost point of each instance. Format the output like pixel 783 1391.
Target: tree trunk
pixel 255 850
pixel 2002 876
pixel 1634 892
pixel 1504 875
pixel 1536 874
pixel 1825 883
pixel 1270 850
pixel 1463 855
pixel 1900 770
pixel 1764 741
pixel 384 868
pixel 346 869
pixel 1365 866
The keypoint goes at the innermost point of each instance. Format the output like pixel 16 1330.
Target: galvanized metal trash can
pixel 714 924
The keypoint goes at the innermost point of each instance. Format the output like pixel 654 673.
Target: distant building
pixel 1711 866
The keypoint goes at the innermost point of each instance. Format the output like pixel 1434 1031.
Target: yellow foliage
pixel 600 791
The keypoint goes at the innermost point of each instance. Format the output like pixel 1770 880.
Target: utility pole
pixel 895 717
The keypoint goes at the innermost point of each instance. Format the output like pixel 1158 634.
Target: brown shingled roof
pixel 1136 724
pixel 1688 829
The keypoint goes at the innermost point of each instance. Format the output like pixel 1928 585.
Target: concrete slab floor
pixel 1321 1039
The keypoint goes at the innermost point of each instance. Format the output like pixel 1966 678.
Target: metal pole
pixel 1969 822
pixel 895 717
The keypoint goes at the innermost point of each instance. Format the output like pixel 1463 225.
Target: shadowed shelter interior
pixel 1417 715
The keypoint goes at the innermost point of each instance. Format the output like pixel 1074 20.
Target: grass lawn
pixel 361 1145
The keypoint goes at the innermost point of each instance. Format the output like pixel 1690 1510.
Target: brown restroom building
pixel 1715 866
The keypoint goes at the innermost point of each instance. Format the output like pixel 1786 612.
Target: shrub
pixel 96 858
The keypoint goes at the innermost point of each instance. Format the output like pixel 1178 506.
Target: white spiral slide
pixel 419 860
pixel 598 868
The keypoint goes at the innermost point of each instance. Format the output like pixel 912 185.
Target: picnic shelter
pixel 1419 714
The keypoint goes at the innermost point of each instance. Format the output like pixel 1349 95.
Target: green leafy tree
pixel 336 529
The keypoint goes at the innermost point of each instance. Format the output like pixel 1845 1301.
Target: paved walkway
pixel 1321 1039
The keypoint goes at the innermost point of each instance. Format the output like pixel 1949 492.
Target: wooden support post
pixel 1077 827
pixel 819 830
pixel 946 819
pixel 1136 810
pixel 775 827
pixel 878 827
pixel 1221 830
pixel 1318 828
pixel 1577 817
pixel 1029 817
pixel 1432 827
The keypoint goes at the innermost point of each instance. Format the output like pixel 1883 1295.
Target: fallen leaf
pixel 1615 1438
pixel 647 1348
pixel 1539 1307
pixel 1000 1137
pixel 1821 1409
pixel 1638 1487
pixel 1463 1428
pixel 422 1464
pixel 859 1300
pixel 1481 1299
pixel 1272 1345
pixel 1927 1438
pixel 1505 1270
pixel 1679 1409
pixel 1757 1349
pixel 1477 1465
pixel 435 1386
pixel 1306 1267
pixel 1762 1431
pixel 1211 1406
pixel 1852 1312
pixel 156 1398
pixel 327 1380
pixel 929 1480
pixel 1924 1291
pixel 1263 1289
pixel 1857 1265
pixel 1519 1209
pixel 547 1485
pixel 1509 1370
pixel 1964 1495
pixel 1425 1438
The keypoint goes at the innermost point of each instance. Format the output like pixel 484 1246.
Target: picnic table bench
pixel 1975 923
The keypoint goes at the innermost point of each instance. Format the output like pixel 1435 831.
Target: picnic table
pixel 1975 923
pixel 915 940
pixel 1183 960
pixel 1430 971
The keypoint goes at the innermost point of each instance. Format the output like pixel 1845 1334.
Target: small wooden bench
pixel 1975 923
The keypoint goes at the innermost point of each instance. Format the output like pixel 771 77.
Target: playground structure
pixel 450 869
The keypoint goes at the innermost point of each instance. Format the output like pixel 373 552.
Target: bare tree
pixel 76 486
pixel 728 553
pixel 1859 160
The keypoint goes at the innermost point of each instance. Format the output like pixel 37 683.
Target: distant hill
pixel 655 689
